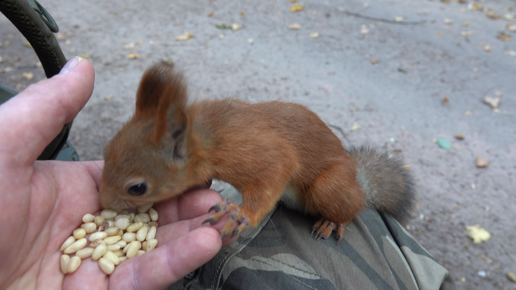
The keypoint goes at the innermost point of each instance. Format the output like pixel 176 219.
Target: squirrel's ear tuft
pixel 162 95
pixel 160 86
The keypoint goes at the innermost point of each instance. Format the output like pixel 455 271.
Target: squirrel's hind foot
pixel 323 228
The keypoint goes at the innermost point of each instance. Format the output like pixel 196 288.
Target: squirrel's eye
pixel 137 189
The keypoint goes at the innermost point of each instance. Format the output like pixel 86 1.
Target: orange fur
pixel 258 148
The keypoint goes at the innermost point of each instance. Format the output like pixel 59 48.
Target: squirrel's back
pixel 386 181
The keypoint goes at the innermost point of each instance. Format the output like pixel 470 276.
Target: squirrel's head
pixel 144 161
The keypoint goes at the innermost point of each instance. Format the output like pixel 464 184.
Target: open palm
pixel 42 202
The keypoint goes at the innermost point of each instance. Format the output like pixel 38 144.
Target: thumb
pixel 32 119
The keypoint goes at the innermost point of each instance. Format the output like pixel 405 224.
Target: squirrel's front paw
pixel 237 222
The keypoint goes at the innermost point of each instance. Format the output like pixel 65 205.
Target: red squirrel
pixel 267 151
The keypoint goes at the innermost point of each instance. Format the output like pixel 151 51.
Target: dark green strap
pixel 36 24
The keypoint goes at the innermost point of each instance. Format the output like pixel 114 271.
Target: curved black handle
pixel 31 24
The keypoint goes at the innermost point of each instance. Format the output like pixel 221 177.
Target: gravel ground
pixel 394 83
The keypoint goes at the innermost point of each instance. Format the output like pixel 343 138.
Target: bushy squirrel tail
pixel 388 184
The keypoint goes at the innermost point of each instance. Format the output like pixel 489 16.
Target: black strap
pixel 36 24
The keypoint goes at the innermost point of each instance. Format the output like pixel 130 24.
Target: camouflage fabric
pixel 375 253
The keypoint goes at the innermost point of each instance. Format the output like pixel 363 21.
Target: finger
pixel 168 263
pixel 95 169
pixel 187 206
pixel 32 119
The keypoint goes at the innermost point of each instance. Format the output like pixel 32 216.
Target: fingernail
pixel 70 65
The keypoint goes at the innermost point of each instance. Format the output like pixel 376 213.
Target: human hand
pixel 43 201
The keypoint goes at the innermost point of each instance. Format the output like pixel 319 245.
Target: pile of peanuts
pixel 112 237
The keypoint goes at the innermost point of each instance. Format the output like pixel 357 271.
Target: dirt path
pixel 396 83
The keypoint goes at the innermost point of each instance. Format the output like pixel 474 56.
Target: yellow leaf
pixel 133 56
pixel 297 7
pixel 398 19
pixel 184 36
pixel 314 35
pixel 28 75
pixel 478 234
pixel 85 55
pixel 355 127
pixel 236 26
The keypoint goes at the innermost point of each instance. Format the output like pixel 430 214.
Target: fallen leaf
pixel 448 21
pixel 364 30
pixel 492 102
pixel 466 33
pixel 294 26
pixel 184 36
pixel 221 26
pixel 242 13
pixel 108 97
pixel 61 36
pixel 85 55
pixel 492 15
pixel 314 35
pixel 510 52
pixel 374 61
pixel 445 101
pixel 355 127
pixel 443 143
pixel 236 26
pixel 481 163
pixel 511 27
pixel 133 44
pixel 466 24
pixel 440 33
pixel 133 56
pixel 28 75
pixel 468 113
pixel 250 40
pixel 459 137
pixel 297 7
pixel 503 36
pixel 478 234
pixel 487 48
pixel 27 43
pixel 209 14
pixel 511 276
pixel 398 19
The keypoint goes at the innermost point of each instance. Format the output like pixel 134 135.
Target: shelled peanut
pixel 111 238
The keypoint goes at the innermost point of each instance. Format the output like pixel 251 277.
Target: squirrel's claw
pixel 323 228
pixel 237 222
